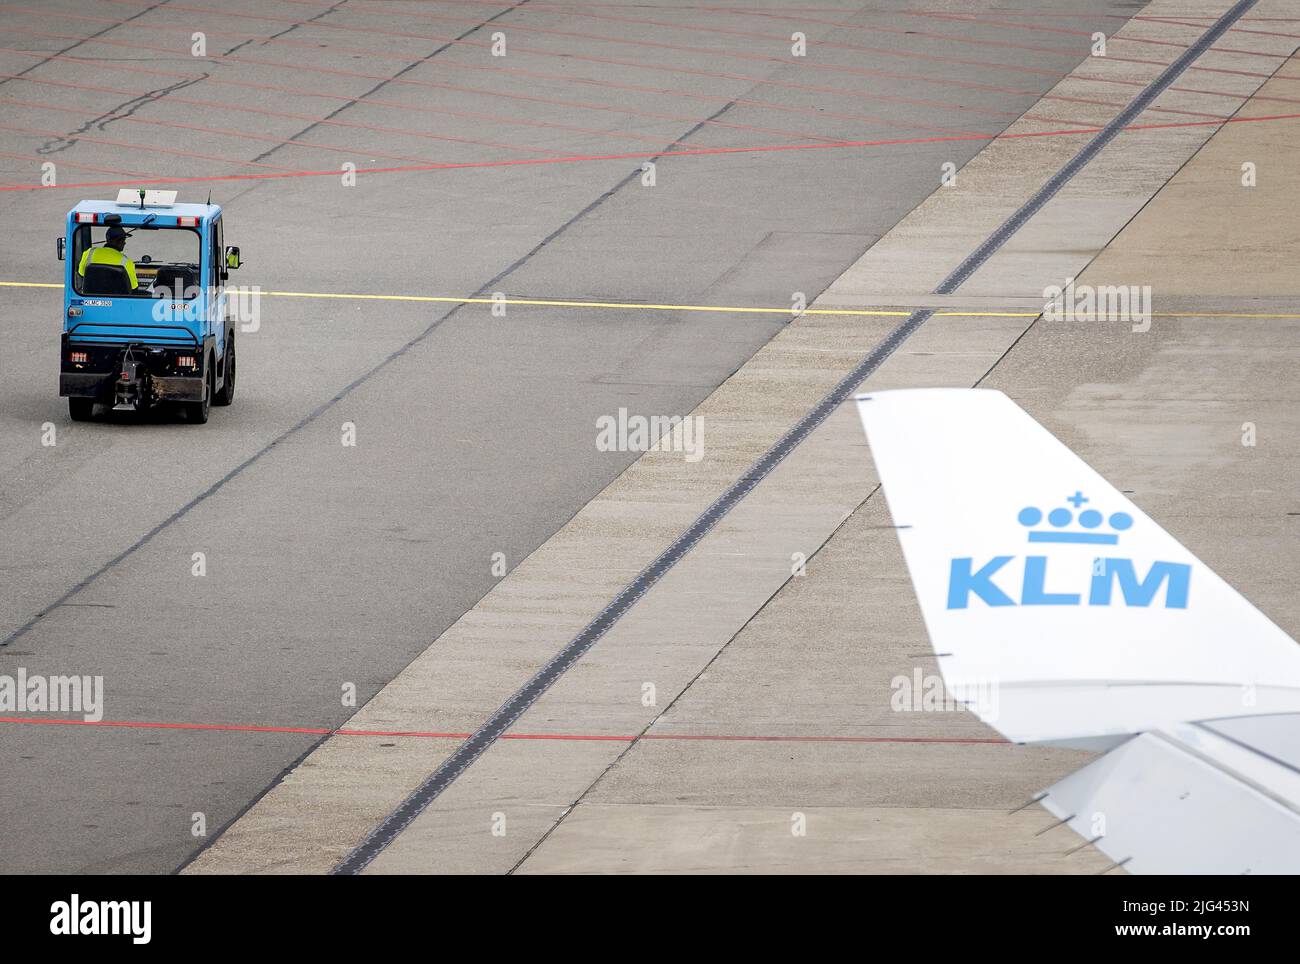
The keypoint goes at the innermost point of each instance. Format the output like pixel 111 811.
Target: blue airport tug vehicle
pixel 146 317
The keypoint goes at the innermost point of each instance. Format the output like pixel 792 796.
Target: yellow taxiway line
pixel 727 309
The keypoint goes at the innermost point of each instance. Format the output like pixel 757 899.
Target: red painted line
pixel 1030 27
pixel 784 85
pixel 813 111
pixel 440 735
pixel 677 48
pixel 741 11
pixel 63 135
pixel 101 65
pixel 693 152
pixel 729 124
pixel 964 85
pixel 575 158
pixel 749 34
pixel 791 85
pixel 1183 23
pixel 373 128
pixel 422 734
pixel 713 122
pixel 783 41
pixel 1241 97
pixel 137 725
pixel 767 105
pixel 828 739
pixel 709 52
pixel 641 65
pixel 972 18
pixel 491 93
pixel 546 31
pixel 780 39
pixel 176 125
pixel 714 8
pixel 800 19
pixel 81 167
pixel 1186 90
pixel 299 142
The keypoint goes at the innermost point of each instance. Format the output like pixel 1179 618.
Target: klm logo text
pixel 1071 526
pixel 1112 580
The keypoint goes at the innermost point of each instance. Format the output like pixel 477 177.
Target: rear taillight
pixel 186 361
pixel 86 218
pixel 79 357
pixel 187 222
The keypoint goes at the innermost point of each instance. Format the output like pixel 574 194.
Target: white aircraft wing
pixel 1041 583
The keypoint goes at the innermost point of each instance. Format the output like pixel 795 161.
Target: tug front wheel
pixel 197 412
pixel 227 393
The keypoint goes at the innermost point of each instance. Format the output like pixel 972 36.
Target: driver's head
pixel 116 237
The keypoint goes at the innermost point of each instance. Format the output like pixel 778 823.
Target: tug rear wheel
pixel 81 409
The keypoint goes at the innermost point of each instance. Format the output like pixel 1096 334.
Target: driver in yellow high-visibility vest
pixel 111 253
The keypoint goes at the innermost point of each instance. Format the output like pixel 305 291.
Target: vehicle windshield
pixel 166 262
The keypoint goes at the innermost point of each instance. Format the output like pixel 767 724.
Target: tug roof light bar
pixel 141 197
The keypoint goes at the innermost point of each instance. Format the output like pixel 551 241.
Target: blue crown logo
pixel 1059 520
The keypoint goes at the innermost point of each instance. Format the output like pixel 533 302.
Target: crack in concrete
pixel 73 46
pixel 289 29
pixel 123 110
pixel 384 83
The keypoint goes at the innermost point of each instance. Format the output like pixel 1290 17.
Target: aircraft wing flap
pixel 1177 803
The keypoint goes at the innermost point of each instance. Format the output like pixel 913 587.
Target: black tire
pixel 227 393
pixel 81 409
pixel 196 413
